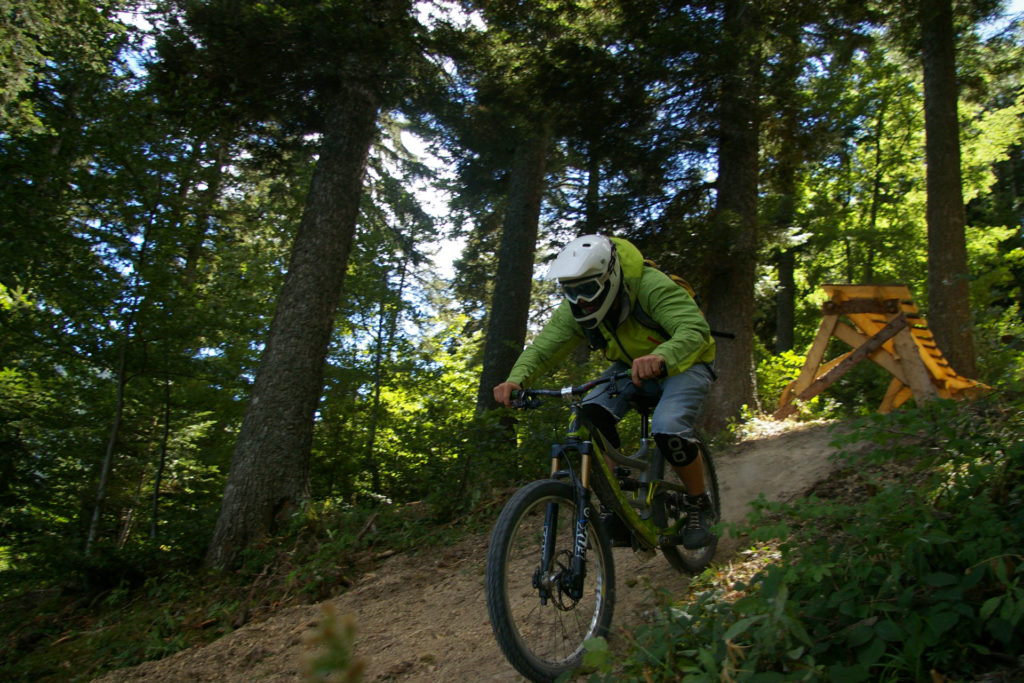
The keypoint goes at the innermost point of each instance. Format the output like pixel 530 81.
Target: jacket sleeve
pixel 674 309
pixel 558 337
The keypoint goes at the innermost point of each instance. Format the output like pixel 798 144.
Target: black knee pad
pixel 678 450
pixel 603 421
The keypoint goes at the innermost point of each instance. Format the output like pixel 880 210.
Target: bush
pixel 778 371
pixel 775 373
pixel 908 562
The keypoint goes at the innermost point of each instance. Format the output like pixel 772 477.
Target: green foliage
pixel 861 390
pixel 864 204
pixel 775 373
pixel 34 37
pixel 63 636
pixel 147 211
pixel 996 256
pixel 907 562
pixel 143 605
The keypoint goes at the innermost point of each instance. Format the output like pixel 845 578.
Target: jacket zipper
pixel 617 341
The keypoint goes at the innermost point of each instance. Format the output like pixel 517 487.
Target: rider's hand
pixel 503 392
pixel 647 367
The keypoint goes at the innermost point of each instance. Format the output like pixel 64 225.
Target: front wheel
pixel 540 620
pixel 693 561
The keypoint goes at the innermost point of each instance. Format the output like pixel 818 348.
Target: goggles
pixel 584 290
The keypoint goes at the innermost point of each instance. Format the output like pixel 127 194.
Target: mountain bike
pixel 550 577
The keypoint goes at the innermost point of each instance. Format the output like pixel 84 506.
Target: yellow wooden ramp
pixel 881 324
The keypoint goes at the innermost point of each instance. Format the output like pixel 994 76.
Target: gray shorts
pixel 682 398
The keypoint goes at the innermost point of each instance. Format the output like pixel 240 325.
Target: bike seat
pixel 647 396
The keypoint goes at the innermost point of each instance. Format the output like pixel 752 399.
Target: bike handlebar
pixel 530 398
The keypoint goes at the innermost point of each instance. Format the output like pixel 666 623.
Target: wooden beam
pixel 882 357
pixel 821 383
pixel 848 306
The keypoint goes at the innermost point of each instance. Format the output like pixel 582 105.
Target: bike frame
pixel 600 479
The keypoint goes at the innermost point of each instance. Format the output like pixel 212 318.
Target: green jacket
pixel 667 303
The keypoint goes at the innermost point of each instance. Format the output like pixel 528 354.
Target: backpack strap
pixel 645 319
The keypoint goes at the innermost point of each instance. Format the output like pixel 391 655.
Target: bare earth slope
pixel 423 618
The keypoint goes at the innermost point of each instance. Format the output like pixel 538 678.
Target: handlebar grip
pixel 525 401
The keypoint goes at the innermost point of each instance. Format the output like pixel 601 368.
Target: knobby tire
pixel 544 641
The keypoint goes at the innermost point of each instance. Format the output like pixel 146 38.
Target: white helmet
pixel 589 273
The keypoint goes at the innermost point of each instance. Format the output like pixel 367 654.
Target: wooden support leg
pixel 810 369
pixel 816 353
pixel 897 395
pixel 914 369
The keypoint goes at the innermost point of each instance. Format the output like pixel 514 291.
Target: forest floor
pixel 422 617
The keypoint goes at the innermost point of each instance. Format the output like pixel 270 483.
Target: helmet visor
pixel 584 290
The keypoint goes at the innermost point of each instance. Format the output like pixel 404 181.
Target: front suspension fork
pixel 571 582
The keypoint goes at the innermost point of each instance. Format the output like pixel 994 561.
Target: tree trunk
pixel 510 303
pixel 790 158
pixel 159 476
pixel 115 430
pixel 877 182
pixel 592 202
pixel 128 329
pixel 270 467
pixel 785 301
pixel 592 225
pixel 129 517
pixel 214 178
pixel 785 261
pixel 371 437
pixel 730 300
pixel 949 308
pixel 387 326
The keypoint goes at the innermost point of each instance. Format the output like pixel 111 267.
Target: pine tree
pixel 326 68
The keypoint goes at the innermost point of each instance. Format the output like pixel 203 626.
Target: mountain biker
pixel 604 281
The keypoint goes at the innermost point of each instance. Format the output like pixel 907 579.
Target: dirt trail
pixel 421 618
